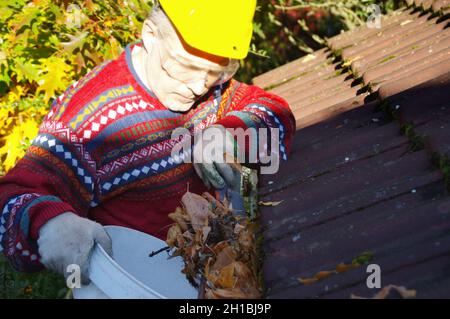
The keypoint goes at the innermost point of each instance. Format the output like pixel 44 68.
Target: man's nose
pixel 198 86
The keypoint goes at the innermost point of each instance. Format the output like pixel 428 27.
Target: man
pixel 103 152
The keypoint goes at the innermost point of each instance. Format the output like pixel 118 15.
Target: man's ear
pixel 149 34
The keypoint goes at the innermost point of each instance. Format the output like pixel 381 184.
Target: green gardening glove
pixel 215 155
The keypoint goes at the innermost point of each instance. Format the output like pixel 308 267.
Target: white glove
pixel 68 239
pixel 216 171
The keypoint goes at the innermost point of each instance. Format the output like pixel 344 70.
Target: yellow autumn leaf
pixel 16 93
pixel 30 129
pixel 54 77
pixel 76 41
pixel 12 148
pixel 16 142
pixel 172 234
pixel 4 115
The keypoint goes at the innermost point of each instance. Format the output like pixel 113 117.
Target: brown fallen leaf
pixel 244 276
pixel 220 208
pixel 197 207
pixel 384 292
pixel 205 232
pixel 307 281
pixel 340 268
pixel 217 246
pixel 179 218
pixel 172 234
pixel 246 239
pixel 188 235
pixel 180 240
pixel 238 228
pixel 233 293
pixel 225 257
pixel 323 274
pixel 345 267
pixel 225 277
pixel 220 246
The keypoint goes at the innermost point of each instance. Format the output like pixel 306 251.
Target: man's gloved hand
pixel 68 239
pixel 213 157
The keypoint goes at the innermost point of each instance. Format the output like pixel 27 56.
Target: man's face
pixel 179 74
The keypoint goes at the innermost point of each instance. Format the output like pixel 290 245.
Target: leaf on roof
pixel 362 259
pixel 308 58
pixel 384 293
pixel 270 203
pixel 307 281
pixel 406 22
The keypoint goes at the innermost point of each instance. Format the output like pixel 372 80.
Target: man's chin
pixel 177 106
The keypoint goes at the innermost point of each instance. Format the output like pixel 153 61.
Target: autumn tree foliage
pixel 47 45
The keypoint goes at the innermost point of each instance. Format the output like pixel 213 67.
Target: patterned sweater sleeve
pixel 56 175
pixel 249 106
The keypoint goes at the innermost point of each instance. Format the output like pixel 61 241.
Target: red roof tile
pixel 369 167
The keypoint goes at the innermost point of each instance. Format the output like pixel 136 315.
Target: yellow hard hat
pixel 218 27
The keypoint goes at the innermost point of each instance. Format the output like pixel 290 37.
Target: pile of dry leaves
pixel 218 247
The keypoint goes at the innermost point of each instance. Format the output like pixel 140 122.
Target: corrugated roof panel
pixel 290 70
pixel 351 38
pixel 401 44
pixel 420 55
